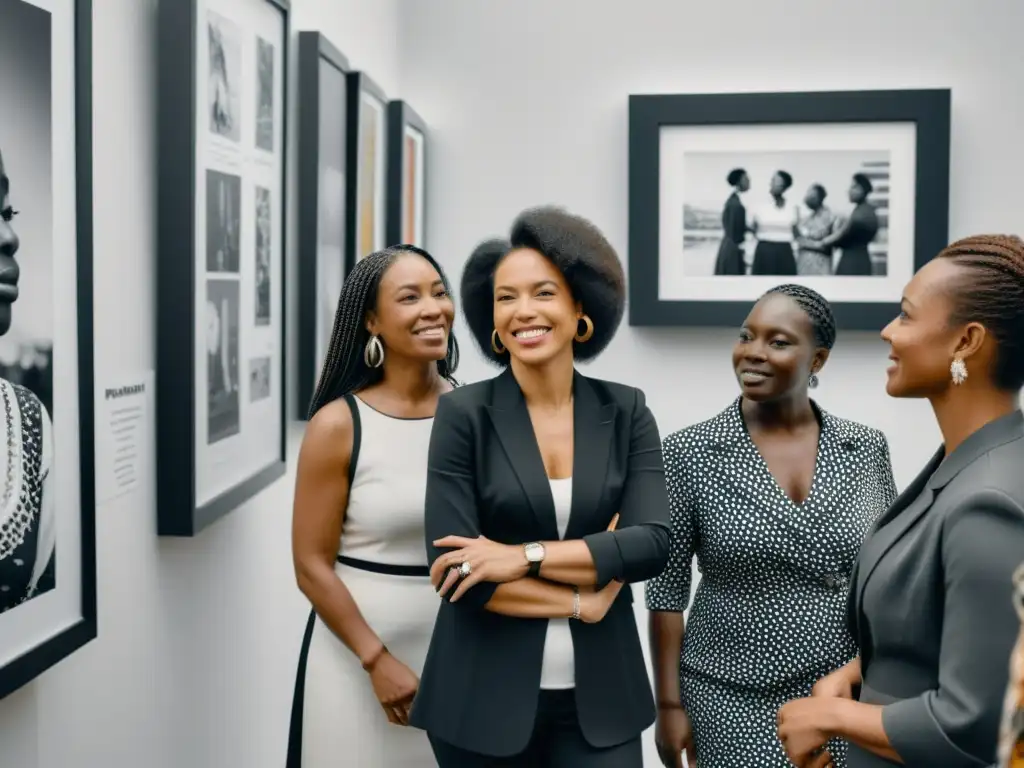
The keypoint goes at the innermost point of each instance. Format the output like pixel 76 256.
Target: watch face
pixel 534 552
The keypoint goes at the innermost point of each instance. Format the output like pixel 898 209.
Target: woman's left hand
pixel 488 561
pixel 803 732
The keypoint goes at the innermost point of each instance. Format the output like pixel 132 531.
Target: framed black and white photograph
pixel 222 126
pixel 48 499
pixel 323 202
pixel 367 160
pixel 406 163
pixel 730 194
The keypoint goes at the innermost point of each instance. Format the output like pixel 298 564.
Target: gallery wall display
pixel 406 165
pixel 323 88
pixel 47 499
pixel 730 194
pixel 220 273
pixel 366 160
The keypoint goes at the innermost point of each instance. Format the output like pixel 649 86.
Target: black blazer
pixel 932 603
pixel 481 677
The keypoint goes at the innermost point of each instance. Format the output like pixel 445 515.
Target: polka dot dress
pixel 769 615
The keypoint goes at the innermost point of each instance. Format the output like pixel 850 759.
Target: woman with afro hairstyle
pixel 545 500
pixel 774 496
pixel 360 481
pixel 931 604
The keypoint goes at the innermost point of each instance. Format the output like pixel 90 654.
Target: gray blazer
pixel 931 603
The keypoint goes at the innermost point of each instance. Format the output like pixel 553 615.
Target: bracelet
pixel 575 603
pixel 669 705
pixel 370 663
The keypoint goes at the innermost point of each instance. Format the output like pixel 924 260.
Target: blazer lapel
pixel 920 494
pixel 593 428
pixel 515 432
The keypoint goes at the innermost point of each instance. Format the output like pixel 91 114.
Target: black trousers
pixel 557 742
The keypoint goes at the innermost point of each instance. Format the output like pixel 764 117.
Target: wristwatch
pixel 534 552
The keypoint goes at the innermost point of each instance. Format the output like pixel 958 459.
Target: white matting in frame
pixel 42 617
pixel 239 229
pixel 896 139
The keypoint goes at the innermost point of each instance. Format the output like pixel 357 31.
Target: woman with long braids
pixel 931 602
pixel 361 480
pixel 774 496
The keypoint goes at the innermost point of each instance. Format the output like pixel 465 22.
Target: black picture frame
pixel 34 662
pixel 358 84
pixel 402 117
pixel 179 511
pixel 315 54
pixel 928 109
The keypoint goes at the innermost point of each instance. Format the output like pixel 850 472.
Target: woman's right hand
pixel 673 735
pixel 395 686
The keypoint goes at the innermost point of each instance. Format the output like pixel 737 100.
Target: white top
pixel 775 224
pixel 384 519
pixel 558 669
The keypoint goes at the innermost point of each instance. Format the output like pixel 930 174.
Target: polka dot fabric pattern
pixel 769 615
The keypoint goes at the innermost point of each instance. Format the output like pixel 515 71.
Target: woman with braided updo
pixel 931 604
pixel 774 496
pixel 360 481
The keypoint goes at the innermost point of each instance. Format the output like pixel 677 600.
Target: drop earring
pixel 958 371
pixel 373 352
pixel 812 382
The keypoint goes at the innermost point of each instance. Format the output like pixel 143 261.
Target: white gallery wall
pixel 526 100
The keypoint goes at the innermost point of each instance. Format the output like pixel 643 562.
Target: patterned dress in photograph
pixel 27 515
pixel 769 616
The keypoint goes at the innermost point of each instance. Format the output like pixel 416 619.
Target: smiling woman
pixel 357 528
pixel 773 496
pixel 545 501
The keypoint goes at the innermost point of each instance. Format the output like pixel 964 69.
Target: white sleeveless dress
pixel 336 719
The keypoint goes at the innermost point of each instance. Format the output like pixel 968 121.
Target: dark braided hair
pixel 817 308
pixel 993 296
pixel 344 370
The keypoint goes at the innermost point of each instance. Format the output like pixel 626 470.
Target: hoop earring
pixel 496 343
pixel 813 381
pixel 373 353
pixel 587 333
pixel 958 371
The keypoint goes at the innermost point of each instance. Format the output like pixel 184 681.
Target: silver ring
pixel 465 569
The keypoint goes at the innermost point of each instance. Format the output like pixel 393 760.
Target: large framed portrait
pixel 222 125
pixel 406 166
pixel 367 158
pixel 323 88
pixel 47 499
pixel 730 194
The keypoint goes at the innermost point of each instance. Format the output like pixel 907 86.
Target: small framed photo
pixel 48 499
pixel 323 102
pixel 406 167
pixel 222 123
pixel 367 159
pixel 731 194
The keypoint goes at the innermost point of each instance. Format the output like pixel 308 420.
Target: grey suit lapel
pixel 920 495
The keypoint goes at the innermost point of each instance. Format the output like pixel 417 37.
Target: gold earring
pixel 580 339
pixel 496 343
